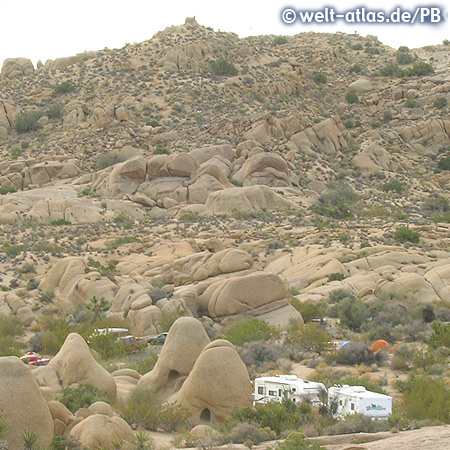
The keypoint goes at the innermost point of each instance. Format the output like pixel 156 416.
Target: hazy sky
pixel 47 29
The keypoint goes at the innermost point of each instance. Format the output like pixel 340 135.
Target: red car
pixel 34 360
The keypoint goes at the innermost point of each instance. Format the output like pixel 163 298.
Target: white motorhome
pixel 276 388
pixel 346 400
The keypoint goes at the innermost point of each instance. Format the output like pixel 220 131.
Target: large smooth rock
pixel 184 343
pixel 250 199
pixel 218 382
pixel 99 431
pixel 242 294
pixel 22 405
pixel 75 364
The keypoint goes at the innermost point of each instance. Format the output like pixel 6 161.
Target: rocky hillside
pixel 222 178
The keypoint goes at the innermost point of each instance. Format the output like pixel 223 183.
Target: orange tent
pixel 381 344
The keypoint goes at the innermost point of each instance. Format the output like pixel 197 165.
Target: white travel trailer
pixel 276 388
pixel 346 400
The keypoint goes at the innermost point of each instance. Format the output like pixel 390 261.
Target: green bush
pixel 440 336
pixel 252 330
pixel 351 97
pixel 392 70
pixel 81 397
pixel 106 345
pixel 7 190
pixel 355 68
pixel 64 88
pixel 143 409
pixel 404 57
pixel 411 103
pixel 27 121
pixel 280 40
pixel 11 328
pixel 298 441
pixel 444 163
pixel 357 423
pixel 404 234
pixel 309 337
pixel 108 159
pixel 357 353
pixel 55 111
pixel 425 397
pixel 223 67
pixel 168 318
pixel 309 309
pixel 420 69
pixel 10 249
pixel 352 312
pixel 440 103
pixel 319 78
pixel 393 186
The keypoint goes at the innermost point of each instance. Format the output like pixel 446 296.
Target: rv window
pixel 293 389
pixel 273 393
pixel 340 402
pixel 279 393
pixel 352 406
pixel 261 390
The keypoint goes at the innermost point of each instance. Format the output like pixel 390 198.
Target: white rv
pixel 275 388
pixel 346 400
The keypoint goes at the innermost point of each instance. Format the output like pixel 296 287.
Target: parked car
pixel 132 344
pixel 157 340
pixel 34 360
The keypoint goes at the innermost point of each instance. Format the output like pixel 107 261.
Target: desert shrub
pixel 440 336
pixel 411 103
pixel 167 318
pixel 393 186
pixel 309 309
pixel 404 57
pixel 444 163
pixel 405 234
pixel 55 111
pixel 258 353
pixel 319 78
pixel 243 432
pixel 336 202
pixel 415 330
pixel 355 68
pixel 392 70
pixel 426 397
pixel 108 159
pixel 357 353
pixel 351 97
pixel 309 337
pixel 143 362
pixel 106 345
pixel 64 88
pixel 55 329
pixel 157 292
pixel 143 409
pixel 27 121
pixel 81 397
pixel 352 312
pixel 123 241
pixel 11 328
pixel 223 67
pixel 428 313
pixel 161 150
pixel 357 423
pixel 274 415
pixel 251 330
pixel 437 202
pixel 280 40
pixel 7 190
pixel 11 249
pixel 298 441
pixel 440 103
pixel 420 69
